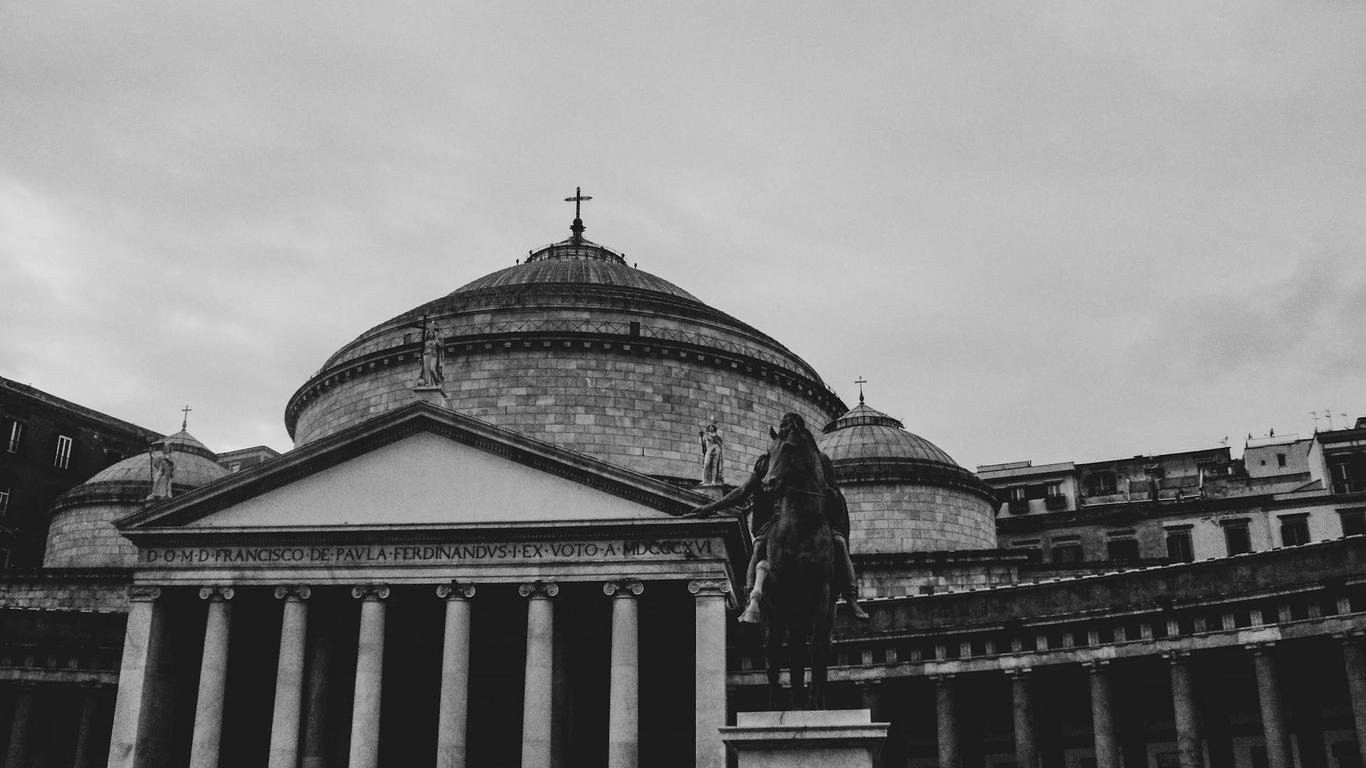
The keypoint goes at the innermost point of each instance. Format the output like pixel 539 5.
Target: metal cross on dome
pixel 577 227
pixel 185 422
pixel 860 381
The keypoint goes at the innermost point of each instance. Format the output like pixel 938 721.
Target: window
pixel 1029 546
pixel 1066 549
pixel 1294 530
pixel 1053 490
pixel 1280 459
pixel 1353 521
pixel 1101 483
pixel 1017 493
pixel 235 467
pixel 4 502
pixel 63 458
pixel 1236 537
pixel 16 436
pixel 1179 547
pixel 1122 546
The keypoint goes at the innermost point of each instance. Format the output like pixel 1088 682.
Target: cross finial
pixel 860 381
pixel 185 422
pixel 577 227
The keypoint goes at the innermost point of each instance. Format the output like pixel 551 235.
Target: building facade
pixel 478 553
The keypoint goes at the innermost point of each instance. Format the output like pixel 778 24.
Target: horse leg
pixel 752 614
pixel 820 652
pixel 798 654
pixel 773 655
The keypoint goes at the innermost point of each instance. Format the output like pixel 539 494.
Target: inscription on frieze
pixel 610 550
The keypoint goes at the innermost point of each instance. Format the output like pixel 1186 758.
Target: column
pixel 947 717
pixel 1273 712
pixel 90 700
pixel 142 649
pixel 319 728
pixel 289 677
pixel 1354 663
pixel 1188 748
pixel 623 697
pixel 709 670
pixel 1102 721
pixel 536 714
pixel 369 676
pixel 17 754
pixel 453 712
pixel 213 679
pixel 1022 708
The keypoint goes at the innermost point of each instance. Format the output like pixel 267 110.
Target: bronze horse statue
pixel 795 583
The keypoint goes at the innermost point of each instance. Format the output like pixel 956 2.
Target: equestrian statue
pixel 801 562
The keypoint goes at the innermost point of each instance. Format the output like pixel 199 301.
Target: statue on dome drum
pixel 162 468
pixel 433 372
pixel 801 560
pixel 713 456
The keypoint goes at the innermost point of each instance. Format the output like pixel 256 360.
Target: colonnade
pixel 1189 738
pixel 135 715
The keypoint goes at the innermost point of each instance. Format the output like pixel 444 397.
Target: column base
pixel 805 739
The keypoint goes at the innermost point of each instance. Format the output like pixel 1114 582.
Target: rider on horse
pixel 761 517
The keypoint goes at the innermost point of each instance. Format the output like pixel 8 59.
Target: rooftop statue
pixel 163 472
pixel 433 371
pixel 713 456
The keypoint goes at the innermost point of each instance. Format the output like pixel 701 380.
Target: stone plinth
pixel 844 737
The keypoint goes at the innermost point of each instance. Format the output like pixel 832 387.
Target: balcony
pixel 1018 506
pixel 1055 503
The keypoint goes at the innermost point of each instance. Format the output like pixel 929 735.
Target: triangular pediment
pixel 421 465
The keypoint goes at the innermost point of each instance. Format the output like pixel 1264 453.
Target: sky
pixel 1051 230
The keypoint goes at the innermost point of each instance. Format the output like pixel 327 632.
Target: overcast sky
pixel 1072 230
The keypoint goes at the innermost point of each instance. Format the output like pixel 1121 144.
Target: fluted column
pixel 540 638
pixel 90 699
pixel 946 716
pixel 289 677
pixel 623 692
pixel 709 670
pixel 1102 717
pixel 1273 711
pixel 17 754
pixel 369 676
pixel 142 651
pixel 1022 708
pixel 1354 665
pixel 213 679
pixel 453 712
pixel 1188 748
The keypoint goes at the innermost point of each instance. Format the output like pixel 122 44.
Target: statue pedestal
pixel 715 490
pixel 434 395
pixel 847 738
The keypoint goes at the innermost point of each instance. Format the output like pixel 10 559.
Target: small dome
pixel 195 465
pixel 865 434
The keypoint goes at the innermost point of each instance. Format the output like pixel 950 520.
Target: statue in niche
pixel 713 456
pixel 433 372
pixel 163 472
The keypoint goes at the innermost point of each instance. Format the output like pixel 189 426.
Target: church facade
pixel 478 554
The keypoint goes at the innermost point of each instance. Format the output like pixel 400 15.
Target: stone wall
pixel 83 591
pixel 84 536
pixel 640 412
pixel 888 517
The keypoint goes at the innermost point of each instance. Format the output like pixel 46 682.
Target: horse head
pixel 793 458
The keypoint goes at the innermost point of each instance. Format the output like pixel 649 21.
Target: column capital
pixel 942 679
pixel 1019 673
pixel 623 588
pixel 138 593
pixel 215 593
pixel 1260 648
pixel 370 592
pixel 293 592
pixel 709 587
pixel 1096 666
pixel 456 590
pixel 1350 636
pixel 1177 656
pixel 541 589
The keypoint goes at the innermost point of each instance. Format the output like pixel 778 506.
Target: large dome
pixel 905 494
pixel 578 348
